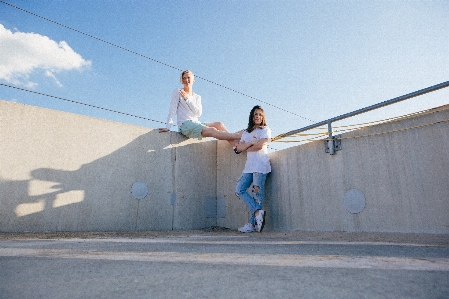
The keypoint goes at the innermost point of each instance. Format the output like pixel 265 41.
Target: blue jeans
pixel 253 203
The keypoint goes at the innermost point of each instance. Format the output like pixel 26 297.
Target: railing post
pixel 331 141
pixel 331 144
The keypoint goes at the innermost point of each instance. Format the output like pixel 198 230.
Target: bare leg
pixel 218 125
pixel 219 131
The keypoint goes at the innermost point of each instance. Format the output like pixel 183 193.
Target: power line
pixel 81 103
pixel 149 58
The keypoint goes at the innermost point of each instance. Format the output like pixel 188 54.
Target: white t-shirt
pixel 257 161
pixel 182 109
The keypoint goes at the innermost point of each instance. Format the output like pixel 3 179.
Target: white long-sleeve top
pixel 190 109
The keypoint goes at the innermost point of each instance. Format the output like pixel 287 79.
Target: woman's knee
pixel 221 126
pixel 218 125
pixel 208 131
pixel 256 189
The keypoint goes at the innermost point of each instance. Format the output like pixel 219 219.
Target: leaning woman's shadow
pixel 99 190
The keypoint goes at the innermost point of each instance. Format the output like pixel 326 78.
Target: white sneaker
pixel 247 228
pixel 260 220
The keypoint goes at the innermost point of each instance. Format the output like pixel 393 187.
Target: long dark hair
pixel 251 124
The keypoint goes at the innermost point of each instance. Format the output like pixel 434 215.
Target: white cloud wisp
pixel 23 53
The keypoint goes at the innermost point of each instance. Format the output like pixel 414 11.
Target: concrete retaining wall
pixel 67 172
pixel 403 175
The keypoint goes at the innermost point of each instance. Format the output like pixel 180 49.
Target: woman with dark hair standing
pixel 254 141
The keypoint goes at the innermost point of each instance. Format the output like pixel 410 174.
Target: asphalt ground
pixel 221 263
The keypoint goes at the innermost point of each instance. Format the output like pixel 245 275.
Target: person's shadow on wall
pixel 98 194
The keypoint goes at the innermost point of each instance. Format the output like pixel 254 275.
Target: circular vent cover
pixel 139 190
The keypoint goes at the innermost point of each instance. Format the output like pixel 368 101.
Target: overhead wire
pixel 81 103
pixel 149 58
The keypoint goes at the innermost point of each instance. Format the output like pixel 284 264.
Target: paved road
pixel 224 265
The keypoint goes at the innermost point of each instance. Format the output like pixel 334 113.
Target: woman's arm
pixel 243 146
pixel 173 108
pixel 257 146
pixel 171 111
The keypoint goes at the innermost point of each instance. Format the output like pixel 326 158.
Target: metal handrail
pixel 363 110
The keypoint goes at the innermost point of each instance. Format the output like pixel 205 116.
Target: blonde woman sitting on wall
pixel 186 106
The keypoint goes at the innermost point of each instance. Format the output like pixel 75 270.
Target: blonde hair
pixel 186 71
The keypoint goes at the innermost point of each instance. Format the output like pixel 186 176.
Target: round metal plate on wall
pixel 139 190
pixel 354 201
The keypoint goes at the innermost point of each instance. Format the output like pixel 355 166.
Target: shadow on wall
pixel 97 195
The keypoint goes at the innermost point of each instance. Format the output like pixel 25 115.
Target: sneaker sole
pixel 263 223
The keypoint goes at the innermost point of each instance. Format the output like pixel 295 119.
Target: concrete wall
pixel 66 172
pixel 403 175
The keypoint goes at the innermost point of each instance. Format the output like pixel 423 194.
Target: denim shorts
pixel 191 129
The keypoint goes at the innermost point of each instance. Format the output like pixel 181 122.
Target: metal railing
pixel 360 111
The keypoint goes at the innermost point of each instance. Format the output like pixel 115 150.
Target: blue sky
pixel 315 59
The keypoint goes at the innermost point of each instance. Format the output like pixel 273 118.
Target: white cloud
pixel 22 53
